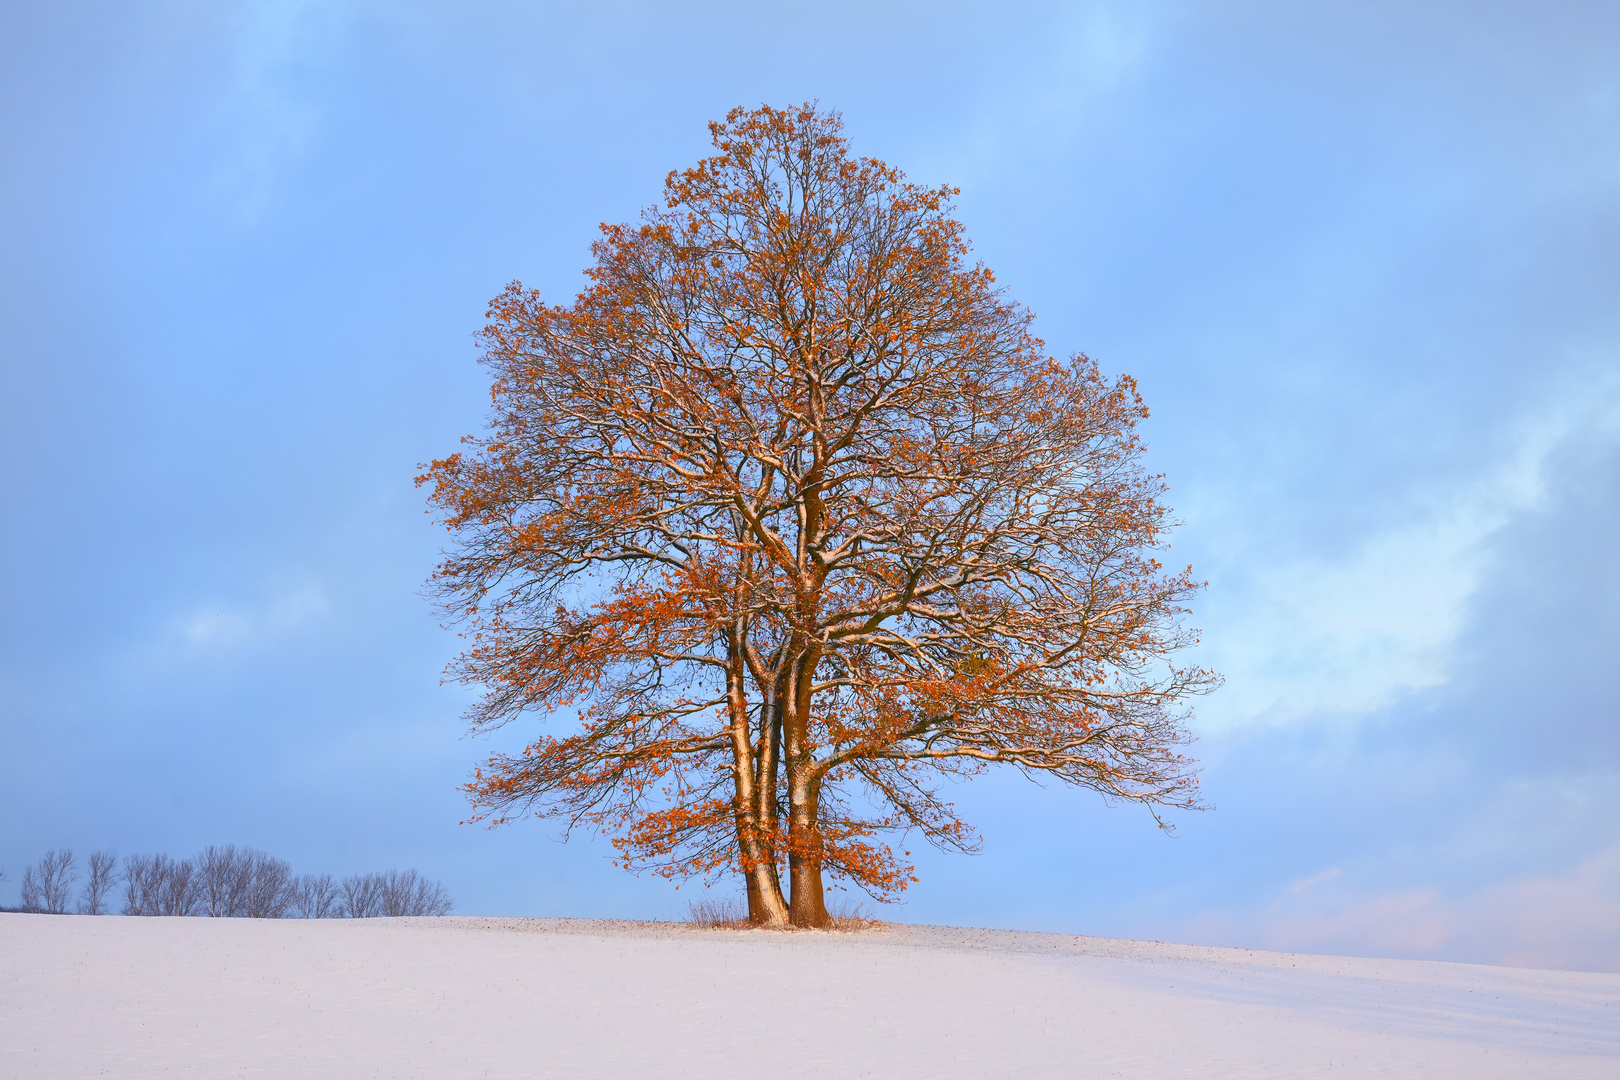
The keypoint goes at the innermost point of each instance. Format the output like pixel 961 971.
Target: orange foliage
pixel 792 513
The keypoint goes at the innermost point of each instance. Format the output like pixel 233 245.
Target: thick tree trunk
pixel 765 904
pixel 766 812
pixel 808 906
pixel 755 833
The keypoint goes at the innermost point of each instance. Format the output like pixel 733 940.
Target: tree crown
pixel 792 473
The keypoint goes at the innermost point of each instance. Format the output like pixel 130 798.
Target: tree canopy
pixel 787 516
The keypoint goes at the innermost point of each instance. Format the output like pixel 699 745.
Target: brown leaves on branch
pixel 788 515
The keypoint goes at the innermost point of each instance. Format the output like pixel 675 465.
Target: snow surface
pixel 476 997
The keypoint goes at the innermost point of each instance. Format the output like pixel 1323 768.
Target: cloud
pixel 1315 879
pixel 1086 54
pixel 1311 637
pixel 1567 920
pixel 269 109
pixel 1409 922
pixel 218 626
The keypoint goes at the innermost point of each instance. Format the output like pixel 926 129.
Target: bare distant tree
pixel 47 885
pixel 270 886
pixel 224 877
pixel 232 882
pixel 316 896
pixel 362 896
pixel 242 883
pixel 409 893
pixel 103 875
pixel 180 889
pixel 142 884
pixel 394 893
pixel 159 885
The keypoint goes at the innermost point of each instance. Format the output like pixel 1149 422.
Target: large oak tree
pixel 787 516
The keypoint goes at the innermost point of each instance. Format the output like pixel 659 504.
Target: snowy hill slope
pixel 474 997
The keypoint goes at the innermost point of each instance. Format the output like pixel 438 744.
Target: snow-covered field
pixel 475 997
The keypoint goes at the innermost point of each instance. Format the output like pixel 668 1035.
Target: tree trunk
pixel 766 813
pixel 808 907
pixel 755 832
pixel 765 904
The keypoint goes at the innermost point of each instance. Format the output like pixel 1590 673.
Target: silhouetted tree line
pixel 223 882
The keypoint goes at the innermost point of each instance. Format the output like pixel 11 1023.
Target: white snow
pixel 476 997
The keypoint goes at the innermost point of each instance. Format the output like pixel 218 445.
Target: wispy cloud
pixel 1569 919
pixel 1312 637
pixel 268 113
pixel 1315 879
pixel 1092 51
pixel 221 626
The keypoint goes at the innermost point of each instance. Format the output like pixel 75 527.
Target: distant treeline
pixel 222 882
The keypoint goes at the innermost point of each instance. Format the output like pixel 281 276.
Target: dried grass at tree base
pixel 731 913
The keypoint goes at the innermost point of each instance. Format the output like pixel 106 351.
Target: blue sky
pixel 1363 258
